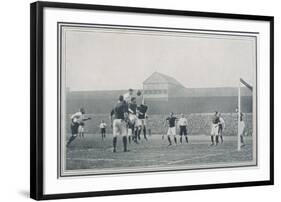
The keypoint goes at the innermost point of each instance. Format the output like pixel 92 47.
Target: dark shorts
pixel 74 128
pixel 102 130
pixel 183 130
pixel 131 125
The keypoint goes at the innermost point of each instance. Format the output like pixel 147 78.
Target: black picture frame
pixel 36 98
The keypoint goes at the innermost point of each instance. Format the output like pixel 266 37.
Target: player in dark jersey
pixel 215 129
pixel 119 119
pixel 221 127
pixel 141 122
pixel 171 120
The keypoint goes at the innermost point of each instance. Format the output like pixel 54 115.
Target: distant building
pixel 159 86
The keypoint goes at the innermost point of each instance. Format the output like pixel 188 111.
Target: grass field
pixel 91 152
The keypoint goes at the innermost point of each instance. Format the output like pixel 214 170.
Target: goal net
pixel 245 105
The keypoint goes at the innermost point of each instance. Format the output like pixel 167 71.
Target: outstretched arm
pixel 86 119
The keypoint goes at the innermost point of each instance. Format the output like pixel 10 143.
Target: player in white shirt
pixel 103 129
pixel 77 120
pixel 215 129
pixel 128 96
pixel 221 127
pixel 182 123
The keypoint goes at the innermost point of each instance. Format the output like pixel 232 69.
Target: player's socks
pixel 242 141
pixel 144 133
pixel 181 140
pixel 125 143
pixel 70 140
pixel 139 132
pixel 221 139
pixel 212 140
pixel 136 136
pixel 217 139
pixel 175 139
pixel 186 139
pixel 169 139
pixel 114 143
pixel 129 139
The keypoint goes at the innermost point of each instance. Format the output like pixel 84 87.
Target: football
pixel 139 93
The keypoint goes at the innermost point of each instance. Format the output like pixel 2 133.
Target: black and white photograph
pixel 130 100
pixel 138 99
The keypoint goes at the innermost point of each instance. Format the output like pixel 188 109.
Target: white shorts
pixel 119 127
pixel 133 118
pixel 171 131
pixel 215 129
pixel 141 122
pixel 80 129
pixel 241 129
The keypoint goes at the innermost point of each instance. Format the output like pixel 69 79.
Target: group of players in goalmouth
pixel 129 119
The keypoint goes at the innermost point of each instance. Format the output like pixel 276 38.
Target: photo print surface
pixel 143 99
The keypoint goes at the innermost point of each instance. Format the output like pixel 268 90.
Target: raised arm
pixel 111 117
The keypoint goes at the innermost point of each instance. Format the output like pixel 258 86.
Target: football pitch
pixel 91 152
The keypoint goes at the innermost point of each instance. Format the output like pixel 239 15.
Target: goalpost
pixel 244 90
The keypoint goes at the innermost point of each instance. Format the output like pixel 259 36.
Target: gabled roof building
pixel 160 86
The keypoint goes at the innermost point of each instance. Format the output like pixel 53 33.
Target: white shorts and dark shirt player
pixel 119 125
pixel 141 122
pixel 172 129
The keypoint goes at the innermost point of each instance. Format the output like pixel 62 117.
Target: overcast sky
pixel 112 60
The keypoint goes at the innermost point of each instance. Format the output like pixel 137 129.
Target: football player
pixel 183 128
pixel 241 130
pixel 128 96
pixel 221 127
pixel 119 122
pixel 103 129
pixel 77 119
pixel 171 120
pixel 215 128
pixel 132 109
pixel 141 122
